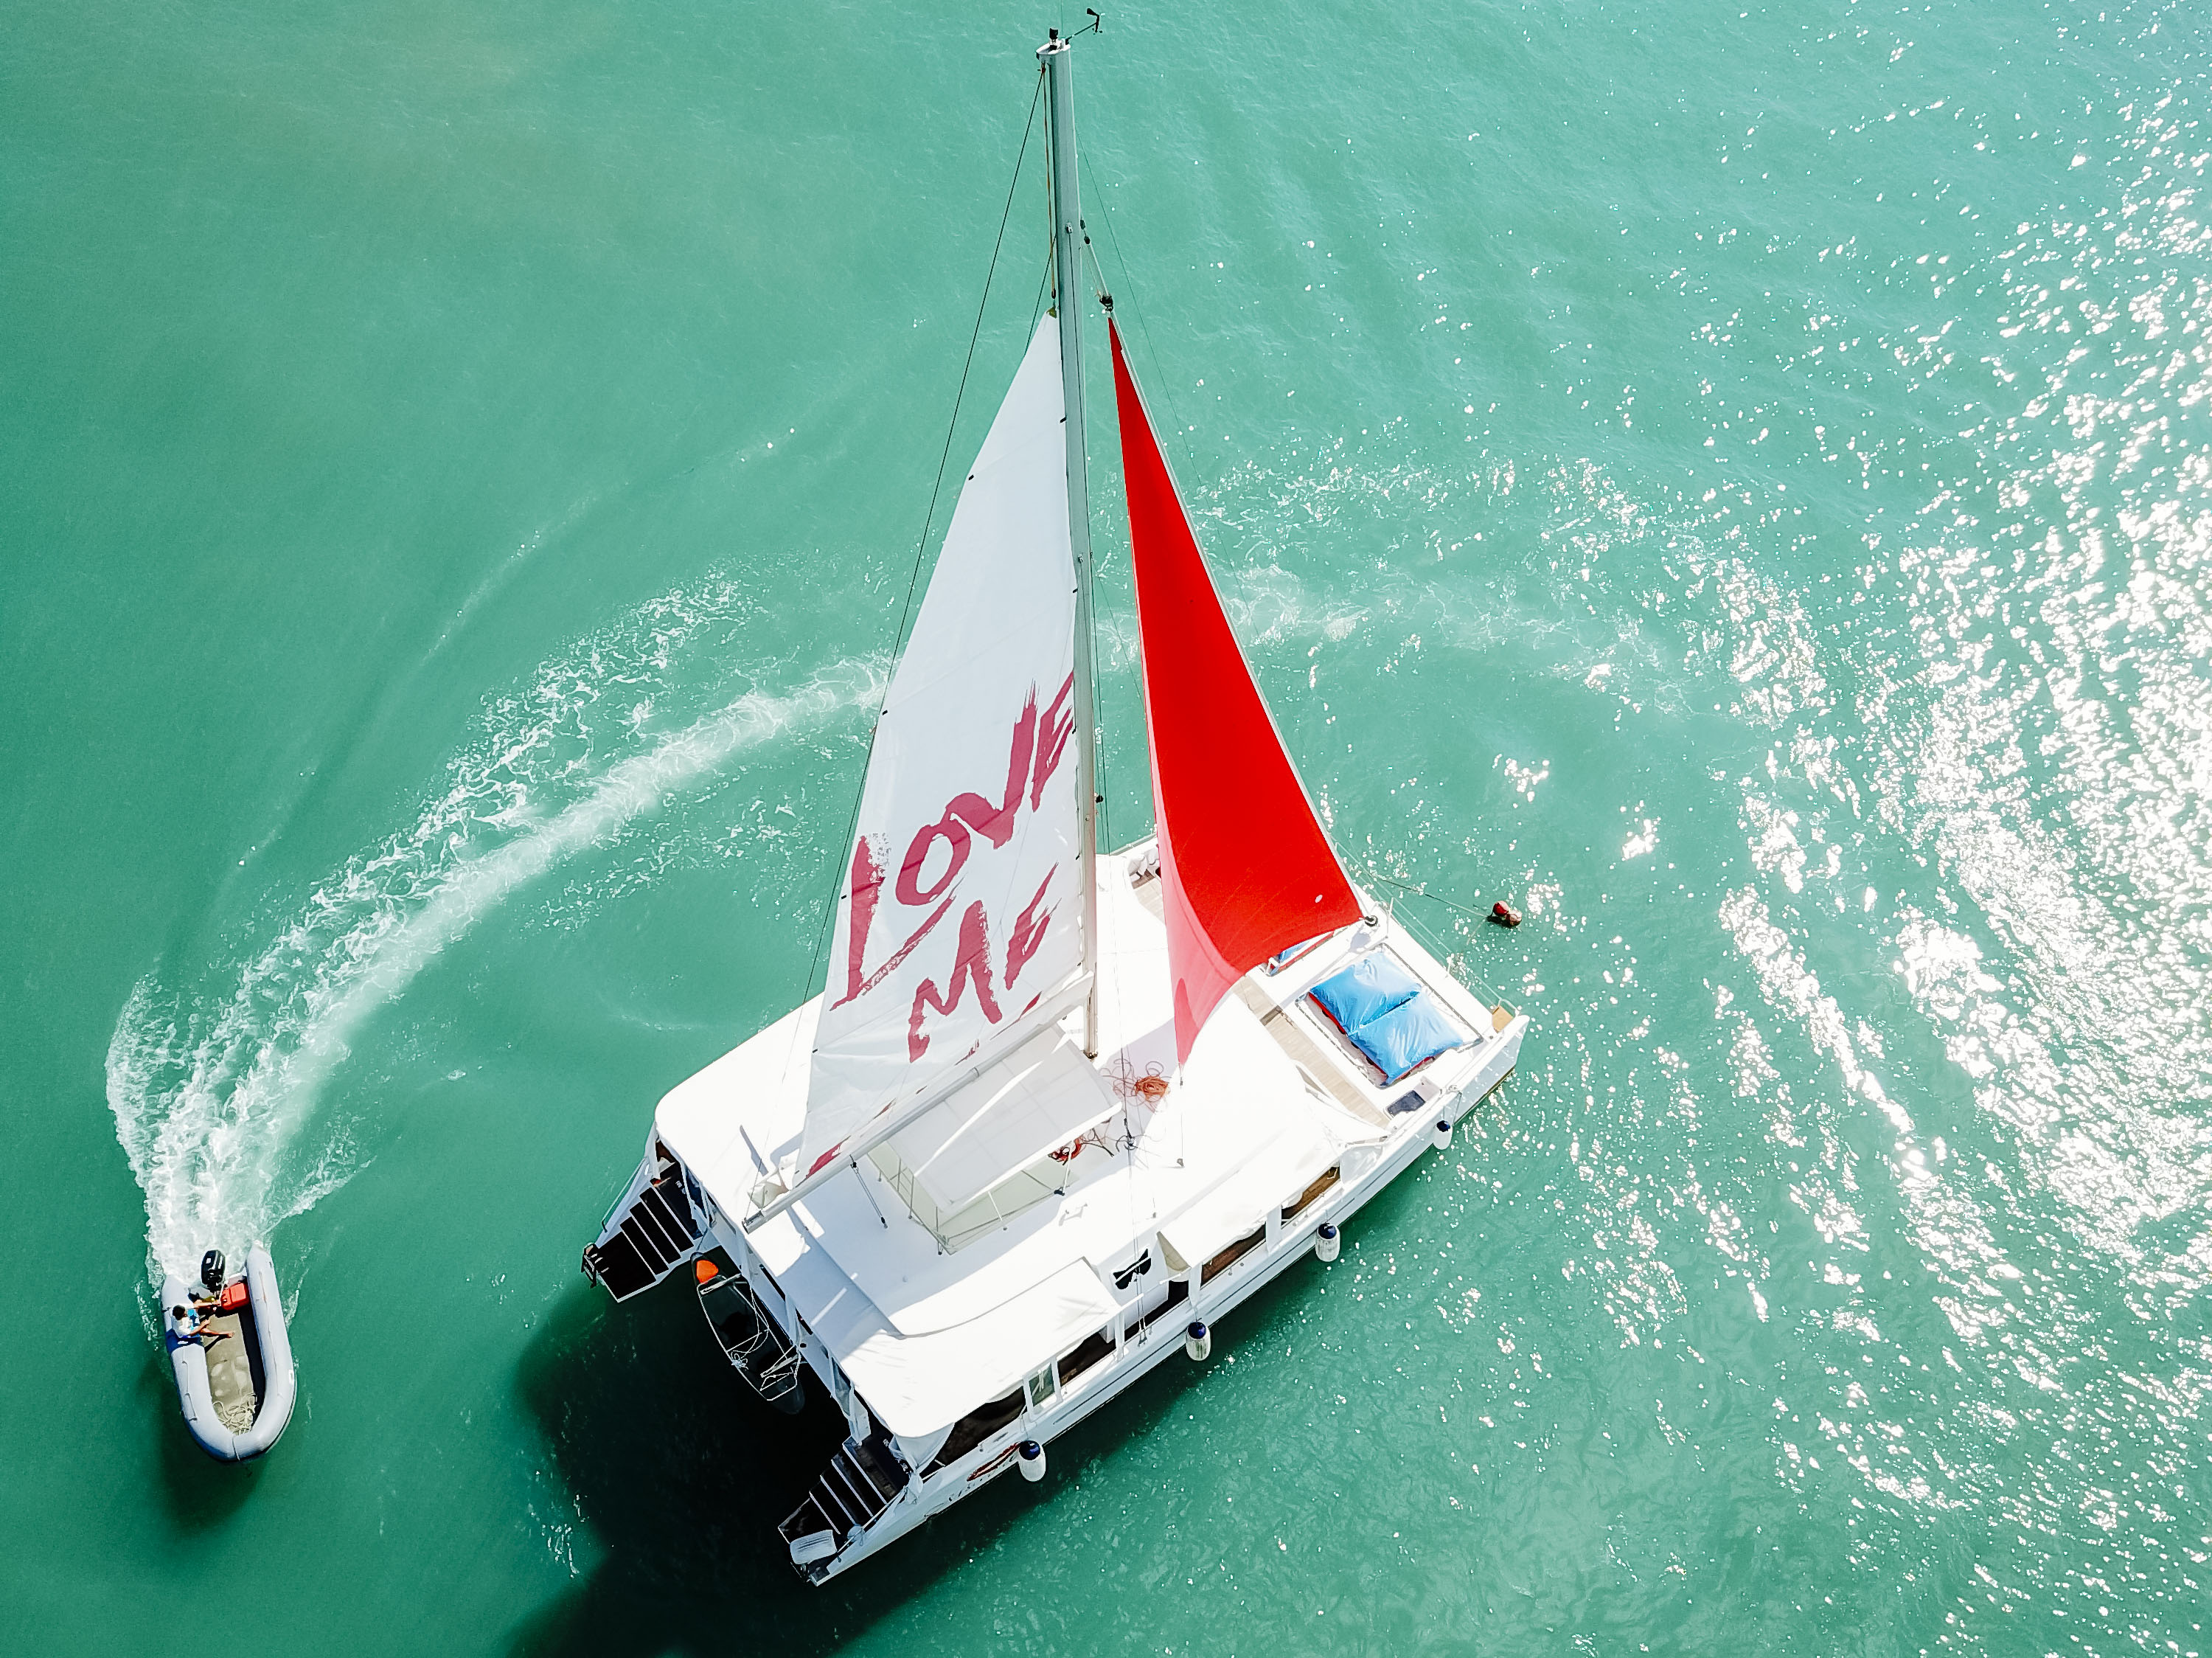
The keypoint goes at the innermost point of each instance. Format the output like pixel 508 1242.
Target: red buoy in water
pixel 1504 915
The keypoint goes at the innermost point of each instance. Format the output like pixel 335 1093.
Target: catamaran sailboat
pixel 1057 1110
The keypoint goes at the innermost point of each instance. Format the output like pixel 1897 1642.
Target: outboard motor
pixel 211 1265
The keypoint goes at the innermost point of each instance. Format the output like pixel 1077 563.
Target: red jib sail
pixel 1246 870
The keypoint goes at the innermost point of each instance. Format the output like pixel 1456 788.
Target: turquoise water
pixel 1735 482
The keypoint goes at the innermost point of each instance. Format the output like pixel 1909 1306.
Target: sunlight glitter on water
pixel 1748 506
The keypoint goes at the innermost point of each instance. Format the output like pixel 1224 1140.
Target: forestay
pixel 960 910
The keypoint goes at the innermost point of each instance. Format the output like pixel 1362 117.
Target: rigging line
pixel 1423 892
pixel 1159 375
pixel 1107 300
pixel 1106 211
pixel 1036 306
pixel 1446 950
pixel 1005 216
pixel 921 546
pixel 1105 800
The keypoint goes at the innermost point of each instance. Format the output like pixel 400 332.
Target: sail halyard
pixel 1247 869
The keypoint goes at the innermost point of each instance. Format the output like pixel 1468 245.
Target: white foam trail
pixel 207 1103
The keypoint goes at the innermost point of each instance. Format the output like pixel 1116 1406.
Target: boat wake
pixel 211 1092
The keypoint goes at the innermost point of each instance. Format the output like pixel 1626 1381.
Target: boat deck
pixel 1269 1101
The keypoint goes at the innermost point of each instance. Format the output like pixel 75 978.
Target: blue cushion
pixel 1412 1033
pixel 1282 959
pixel 1368 988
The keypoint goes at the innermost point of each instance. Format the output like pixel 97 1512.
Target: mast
pixel 1067 240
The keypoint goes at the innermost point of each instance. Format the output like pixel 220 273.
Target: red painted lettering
pixel 996 823
pixel 867 890
pixel 1052 740
pixel 954 833
pixel 1038 745
pixel 972 966
pixel 1028 932
pixel 971 811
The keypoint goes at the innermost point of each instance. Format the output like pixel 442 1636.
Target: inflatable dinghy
pixel 232 1355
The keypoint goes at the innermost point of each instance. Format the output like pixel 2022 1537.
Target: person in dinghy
pixel 231 1354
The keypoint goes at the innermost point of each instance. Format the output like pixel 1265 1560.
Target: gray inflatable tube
pixel 260 1380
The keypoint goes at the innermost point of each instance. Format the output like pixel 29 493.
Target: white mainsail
pixel 961 910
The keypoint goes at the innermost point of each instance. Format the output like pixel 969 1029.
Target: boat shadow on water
pixel 198 1493
pixel 679 1474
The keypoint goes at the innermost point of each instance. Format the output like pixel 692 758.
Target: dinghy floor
pixel 234 1362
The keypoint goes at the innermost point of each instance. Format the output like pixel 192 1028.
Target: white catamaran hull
pixel 763 1291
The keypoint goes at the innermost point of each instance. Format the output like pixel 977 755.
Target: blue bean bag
pixel 1368 988
pixel 1408 1036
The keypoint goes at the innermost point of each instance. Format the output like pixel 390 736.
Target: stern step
pixel 660 1228
pixel 863 1478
